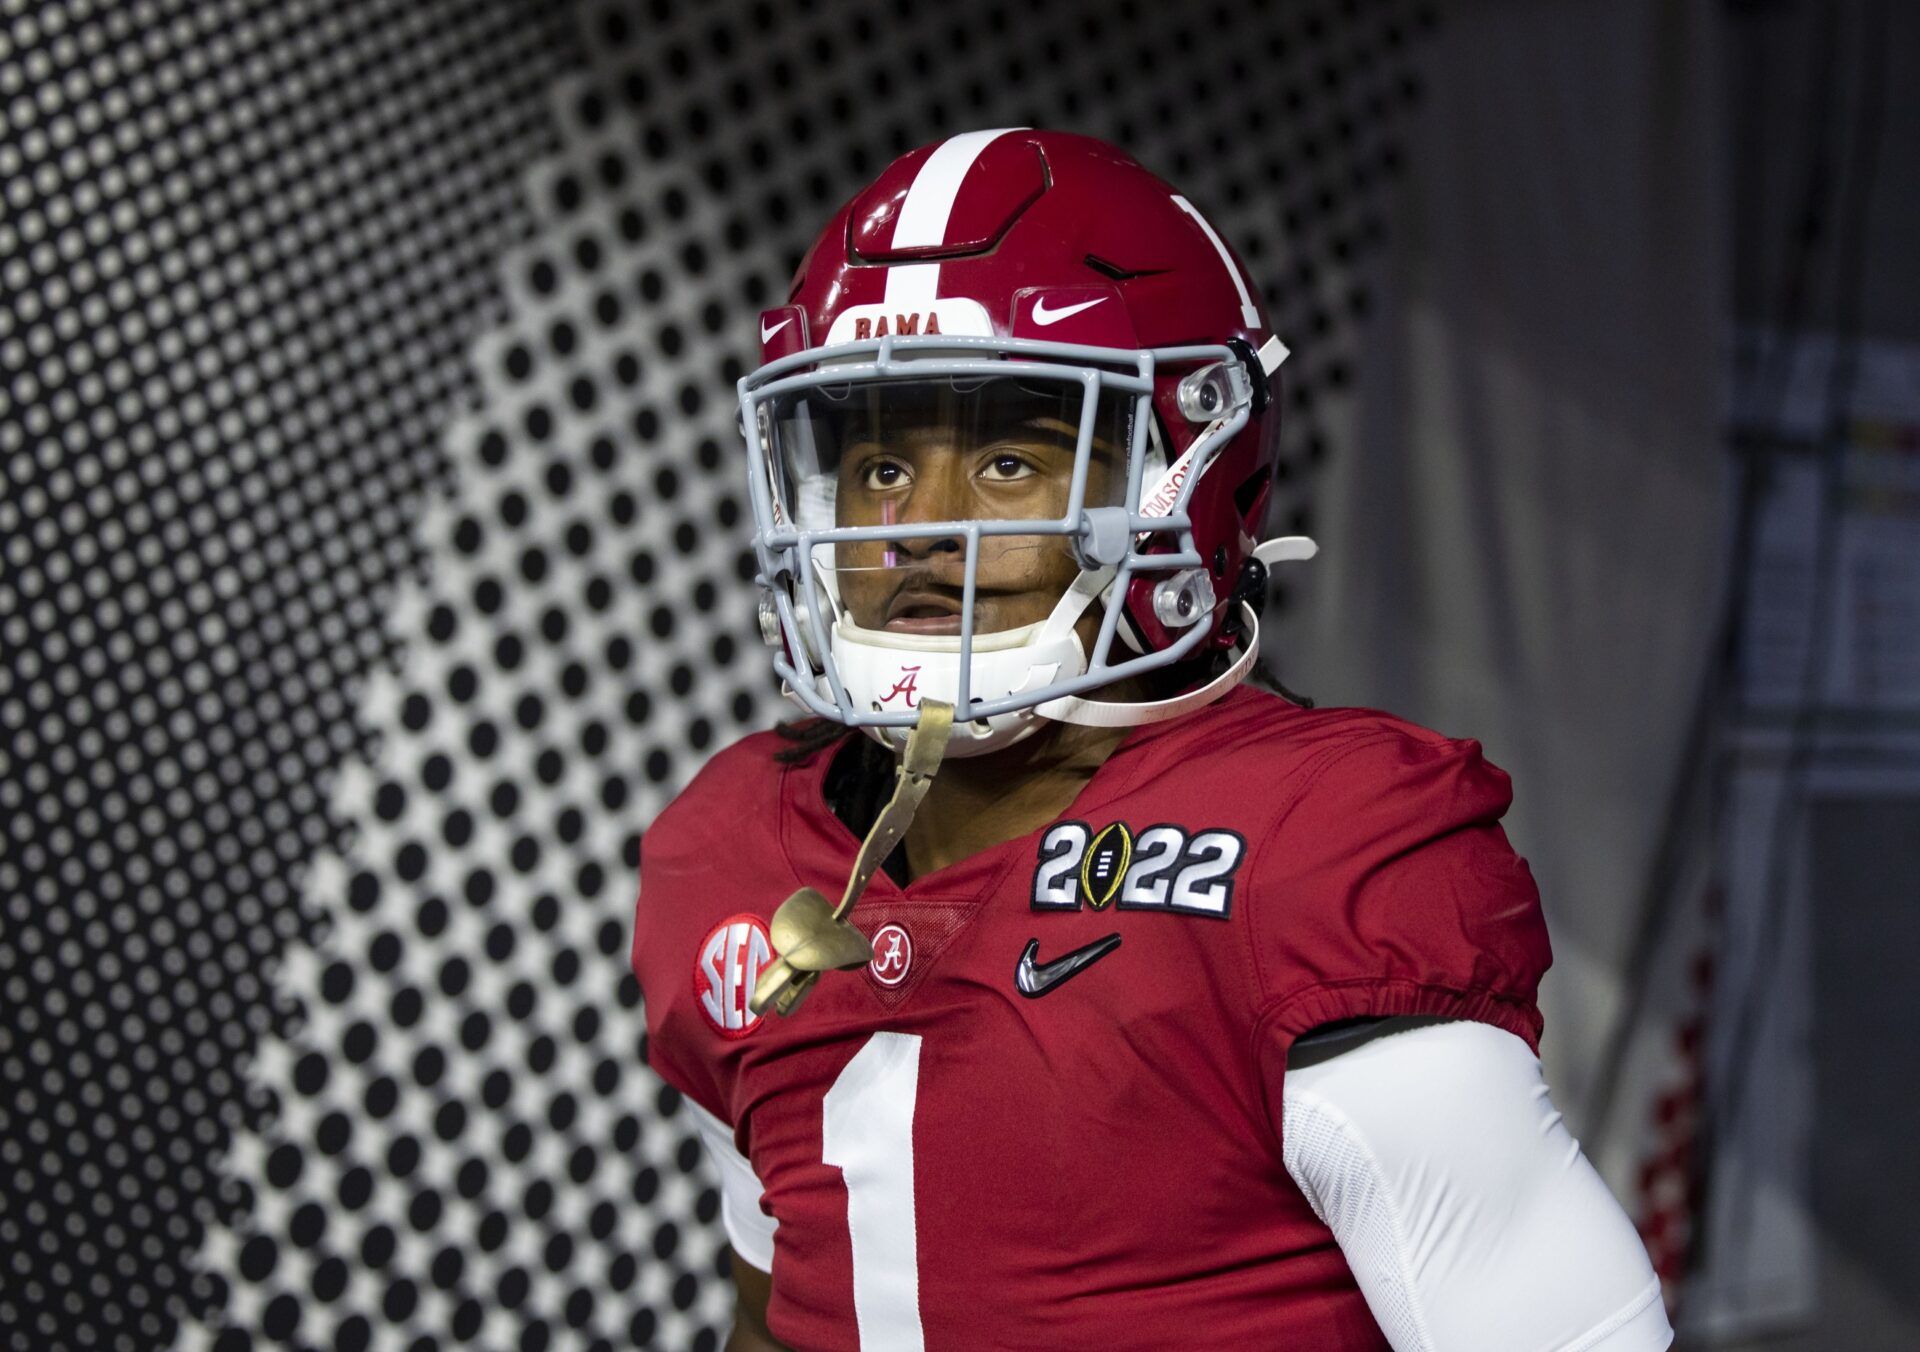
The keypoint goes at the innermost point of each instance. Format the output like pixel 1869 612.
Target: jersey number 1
pixel 866 1131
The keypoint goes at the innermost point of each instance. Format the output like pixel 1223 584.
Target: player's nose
pixel 940 493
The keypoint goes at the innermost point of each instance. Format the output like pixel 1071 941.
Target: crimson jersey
pixel 1010 1130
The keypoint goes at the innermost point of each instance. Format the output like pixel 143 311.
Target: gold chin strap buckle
pixel 812 937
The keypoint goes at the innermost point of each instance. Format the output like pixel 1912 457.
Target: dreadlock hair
pixel 807 738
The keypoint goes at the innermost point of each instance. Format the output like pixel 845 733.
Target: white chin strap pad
pixel 874 663
pixel 893 672
pixel 1093 713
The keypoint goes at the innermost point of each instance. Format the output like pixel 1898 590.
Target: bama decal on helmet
pixel 947 315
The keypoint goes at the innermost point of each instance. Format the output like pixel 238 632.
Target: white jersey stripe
pixel 1249 313
pixel 924 214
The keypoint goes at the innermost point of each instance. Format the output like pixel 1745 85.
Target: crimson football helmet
pixel 1075 327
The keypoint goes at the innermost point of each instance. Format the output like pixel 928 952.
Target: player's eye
pixel 1006 467
pixel 880 475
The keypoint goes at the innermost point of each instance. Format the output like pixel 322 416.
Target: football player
pixel 1054 987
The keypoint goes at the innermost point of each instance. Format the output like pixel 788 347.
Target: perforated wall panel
pixel 375 571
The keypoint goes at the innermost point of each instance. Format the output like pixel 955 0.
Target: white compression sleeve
pixel 1461 1202
pixel 749 1229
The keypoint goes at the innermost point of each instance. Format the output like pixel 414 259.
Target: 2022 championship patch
pixel 1163 868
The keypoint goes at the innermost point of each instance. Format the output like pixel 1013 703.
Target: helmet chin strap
pixel 1058 653
pixel 810 936
pixel 1093 713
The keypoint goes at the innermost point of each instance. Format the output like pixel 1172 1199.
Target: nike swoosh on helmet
pixel 1043 316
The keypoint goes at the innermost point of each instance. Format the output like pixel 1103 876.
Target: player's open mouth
pixel 924 612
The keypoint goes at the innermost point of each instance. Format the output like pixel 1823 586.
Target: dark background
pixel 372 570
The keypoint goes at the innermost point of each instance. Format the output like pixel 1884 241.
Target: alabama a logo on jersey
pixel 725 970
pixel 892 955
pixel 1163 868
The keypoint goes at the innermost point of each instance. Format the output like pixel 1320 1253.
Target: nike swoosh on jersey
pixel 767 333
pixel 1043 316
pixel 1034 979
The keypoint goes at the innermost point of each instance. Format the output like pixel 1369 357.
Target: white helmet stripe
pixel 924 214
pixel 1249 313
pixel 912 286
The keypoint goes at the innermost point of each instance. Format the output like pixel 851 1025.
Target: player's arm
pixel 749 1233
pixel 1465 1208
pixel 752 1287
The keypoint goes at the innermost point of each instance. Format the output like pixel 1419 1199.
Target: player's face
pixel 939 468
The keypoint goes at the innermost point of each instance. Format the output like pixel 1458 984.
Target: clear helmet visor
pixel 901 458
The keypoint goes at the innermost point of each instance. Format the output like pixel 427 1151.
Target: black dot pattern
pixel 241 246
pixel 345 665
pixel 465 1104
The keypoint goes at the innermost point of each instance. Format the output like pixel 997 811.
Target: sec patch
pixel 725 970
pixel 1105 864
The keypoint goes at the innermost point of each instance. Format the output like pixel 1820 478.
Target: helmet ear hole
pixel 1250 499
